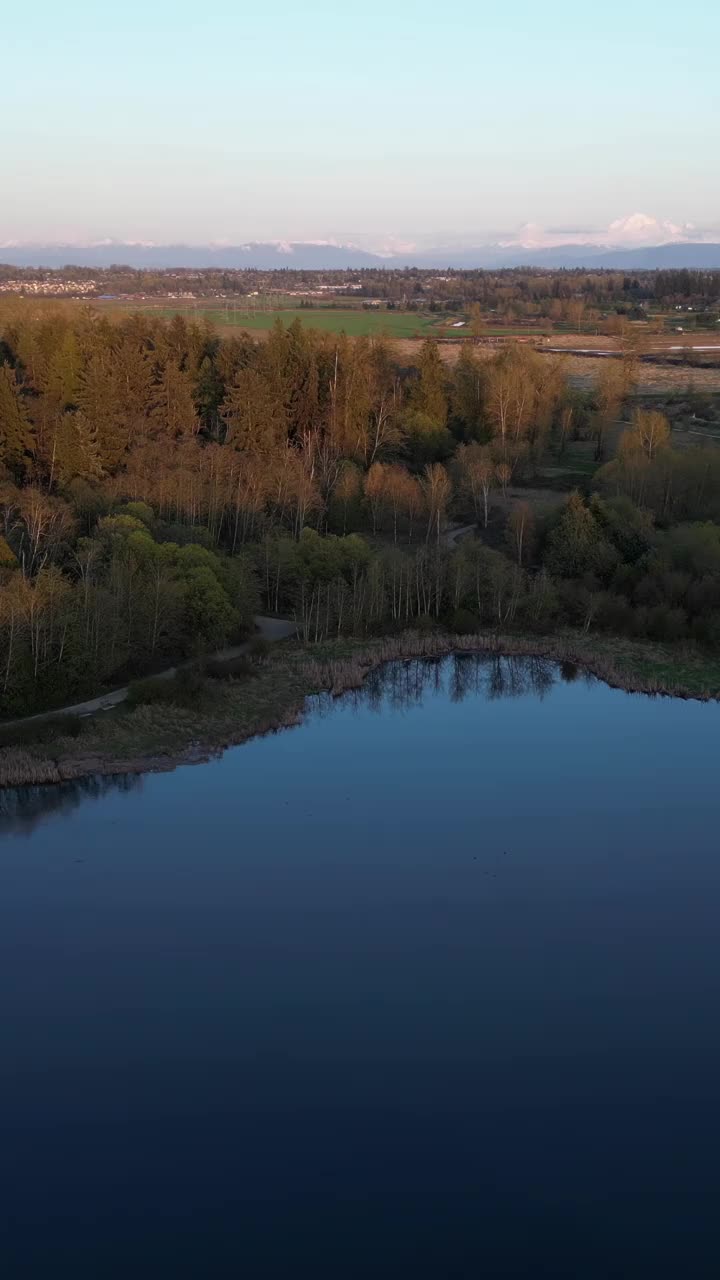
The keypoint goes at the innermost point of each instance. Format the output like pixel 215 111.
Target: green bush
pixel 229 668
pixel 424 623
pixel 464 622
pixel 706 628
pixel 183 689
pixel 259 648
pixel 37 732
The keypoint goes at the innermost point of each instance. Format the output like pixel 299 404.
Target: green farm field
pixel 353 321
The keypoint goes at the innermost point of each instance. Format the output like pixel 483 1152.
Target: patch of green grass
pixel 354 321
pixel 683 670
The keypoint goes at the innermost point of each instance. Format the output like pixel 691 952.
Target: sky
pixel 391 122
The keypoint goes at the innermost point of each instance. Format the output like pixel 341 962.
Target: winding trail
pixel 273 629
pixel 458 531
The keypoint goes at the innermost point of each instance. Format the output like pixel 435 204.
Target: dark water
pixel 428 987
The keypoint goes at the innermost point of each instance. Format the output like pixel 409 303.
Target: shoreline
pixel 160 738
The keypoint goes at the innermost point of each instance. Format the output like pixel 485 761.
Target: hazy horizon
pixel 634 231
pixel 386 127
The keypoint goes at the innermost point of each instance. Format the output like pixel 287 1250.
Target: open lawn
pixel 353 321
pixel 356 321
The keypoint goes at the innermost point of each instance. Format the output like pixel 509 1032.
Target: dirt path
pixel 272 629
pixel 456 532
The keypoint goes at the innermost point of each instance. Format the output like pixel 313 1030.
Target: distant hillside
pixel 696 256
pixel 319 257
pixel 263 257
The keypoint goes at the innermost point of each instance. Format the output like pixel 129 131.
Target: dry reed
pixel 340 675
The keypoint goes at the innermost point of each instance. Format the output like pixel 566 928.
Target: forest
pixel 160 485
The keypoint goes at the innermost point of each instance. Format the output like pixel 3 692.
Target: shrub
pixel 143 692
pixel 706 628
pixel 259 648
pixel 140 511
pixel 183 689
pixel 616 614
pixel 41 731
pixel 229 668
pixel 424 623
pixel 665 623
pixel 464 622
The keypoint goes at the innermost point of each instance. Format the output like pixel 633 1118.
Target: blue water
pixel 427 987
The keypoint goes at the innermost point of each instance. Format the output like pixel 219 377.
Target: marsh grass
pixel 636 667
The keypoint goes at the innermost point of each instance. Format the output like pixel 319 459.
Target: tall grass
pixel 20 769
pixel 338 675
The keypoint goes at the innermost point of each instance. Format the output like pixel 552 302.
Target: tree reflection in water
pixel 394 686
pixel 23 809
pixel 399 685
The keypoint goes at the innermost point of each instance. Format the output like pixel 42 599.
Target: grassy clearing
pixel 571 471
pixel 157 736
pixel 354 321
pixel 682 671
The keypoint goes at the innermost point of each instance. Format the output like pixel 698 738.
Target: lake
pixel 426 987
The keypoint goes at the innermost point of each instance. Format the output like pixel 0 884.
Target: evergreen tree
pixel 430 391
pixel 16 435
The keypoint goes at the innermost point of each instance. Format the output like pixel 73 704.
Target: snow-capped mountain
pixel 635 242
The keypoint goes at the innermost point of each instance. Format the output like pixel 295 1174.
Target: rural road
pixel 272 629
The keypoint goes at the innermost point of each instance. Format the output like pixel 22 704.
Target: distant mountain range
pixel 319 257
pixel 263 257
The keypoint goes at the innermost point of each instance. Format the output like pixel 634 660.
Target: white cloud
pixel 633 231
pixel 641 229
pixel 636 230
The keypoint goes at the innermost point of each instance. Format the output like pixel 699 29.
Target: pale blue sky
pixel 238 119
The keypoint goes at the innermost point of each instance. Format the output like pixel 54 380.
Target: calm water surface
pixel 428 987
